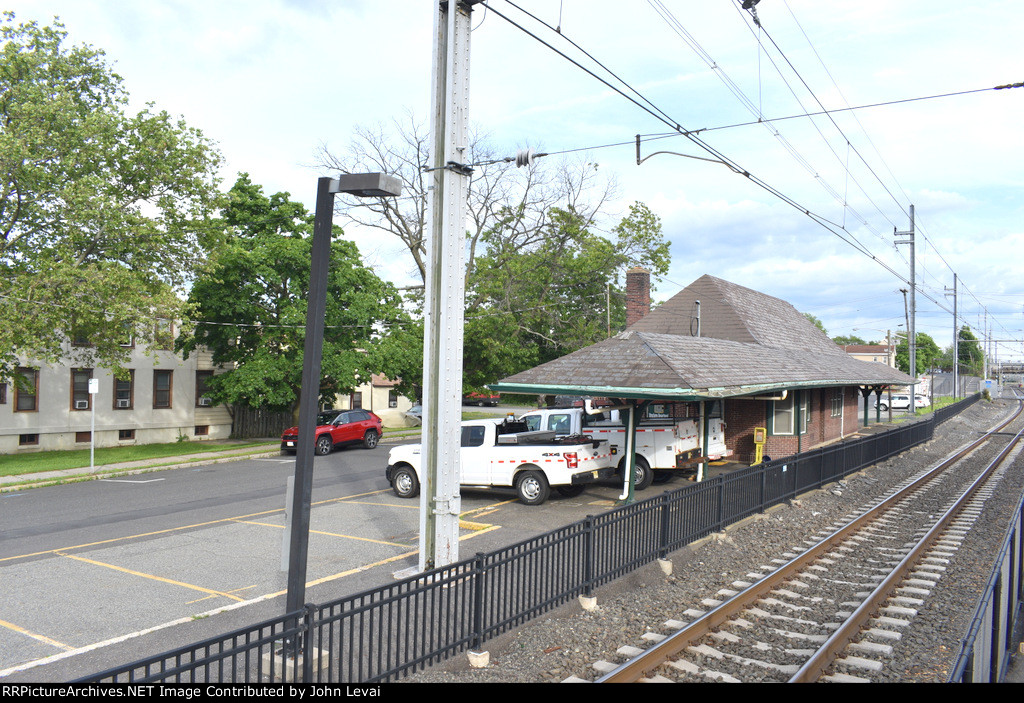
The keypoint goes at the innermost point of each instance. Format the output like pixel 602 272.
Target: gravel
pixel 568 641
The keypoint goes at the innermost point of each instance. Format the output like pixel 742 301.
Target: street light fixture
pixel 370 185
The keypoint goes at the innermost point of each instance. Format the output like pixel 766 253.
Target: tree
pixel 529 306
pixel 539 282
pixel 817 323
pixel 103 215
pixel 503 200
pixel 926 354
pixel 845 340
pixel 251 308
pixel 969 353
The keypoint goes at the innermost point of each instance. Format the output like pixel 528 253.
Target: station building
pixel 718 349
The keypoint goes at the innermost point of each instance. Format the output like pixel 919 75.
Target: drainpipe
pixel 705 427
pixel 630 465
pixel 796 410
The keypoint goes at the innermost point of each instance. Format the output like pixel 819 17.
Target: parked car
pixel 336 428
pixel 901 401
pixel 415 414
pixel 481 399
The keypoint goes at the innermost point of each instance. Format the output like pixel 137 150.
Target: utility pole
pixel 444 310
pixel 911 337
pixel 956 345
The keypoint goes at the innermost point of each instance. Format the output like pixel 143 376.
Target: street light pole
pixel 365 185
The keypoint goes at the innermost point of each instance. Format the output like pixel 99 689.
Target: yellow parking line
pixel 42 638
pixel 234 590
pixel 328 534
pixel 169 530
pixel 154 578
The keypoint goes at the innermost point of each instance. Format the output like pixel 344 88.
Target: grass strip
pixel 38 462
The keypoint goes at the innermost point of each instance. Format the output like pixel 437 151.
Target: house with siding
pixel 717 349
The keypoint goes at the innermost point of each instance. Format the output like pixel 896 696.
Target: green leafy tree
pixel 103 215
pixel 926 354
pixel 530 305
pixel 251 308
pixel 817 323
pixel 845 340
pixel 969 353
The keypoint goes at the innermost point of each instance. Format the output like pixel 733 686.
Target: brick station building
pixel 717 349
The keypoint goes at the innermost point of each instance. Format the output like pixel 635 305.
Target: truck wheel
pixel 370 439
pixel 642 474
pixel 532 488
pixel 404 483
pixel 569 491
pixel 883 406
pixel 324 444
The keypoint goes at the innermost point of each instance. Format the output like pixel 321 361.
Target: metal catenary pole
pixel 911 336
pixel 445 305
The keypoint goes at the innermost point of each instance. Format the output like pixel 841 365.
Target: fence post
pixel 720 523
pixel 588 555
pixel 478 601
pixel 307 642
pixel 663 539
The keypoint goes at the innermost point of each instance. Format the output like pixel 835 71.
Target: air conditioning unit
pixel 205 402
pixel 124 403
pixel 81 405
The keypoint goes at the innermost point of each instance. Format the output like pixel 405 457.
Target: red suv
pixel 337 427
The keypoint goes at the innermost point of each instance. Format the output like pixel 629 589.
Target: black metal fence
pixel 386 633
pixel 985 652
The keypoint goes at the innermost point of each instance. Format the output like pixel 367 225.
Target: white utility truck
pixel 663 444
pixel 506 453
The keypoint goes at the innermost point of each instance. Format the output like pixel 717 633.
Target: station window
pixel 789 416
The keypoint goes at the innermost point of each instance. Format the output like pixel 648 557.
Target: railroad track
pixel 833 608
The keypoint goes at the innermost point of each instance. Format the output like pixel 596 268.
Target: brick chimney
pixel 638 294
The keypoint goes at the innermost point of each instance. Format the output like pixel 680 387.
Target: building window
pixel 83 437
pixel 163 335
pixel 123 435
pixel 27 440
pixel 163 385
pixel 80 398
pixel 26 391
pixel 3 393
pixel 202 430
pixel 203 388
pixel 786 415
pixel 837 402
pixel 124 392
pixel 355 401
pixel 392 399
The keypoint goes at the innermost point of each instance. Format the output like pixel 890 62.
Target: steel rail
pixel 643 664
pixel 824 657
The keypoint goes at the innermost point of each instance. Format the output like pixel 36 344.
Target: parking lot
pixel 82 593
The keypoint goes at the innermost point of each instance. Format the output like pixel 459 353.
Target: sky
pixel 809 207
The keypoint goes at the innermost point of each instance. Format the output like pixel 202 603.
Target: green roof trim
pixel 683 394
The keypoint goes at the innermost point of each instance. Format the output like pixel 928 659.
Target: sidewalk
pixel 224 453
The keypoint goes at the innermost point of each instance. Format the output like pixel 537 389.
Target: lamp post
pixel 361 184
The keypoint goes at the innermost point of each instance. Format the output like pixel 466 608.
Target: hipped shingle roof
pixel 750 343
